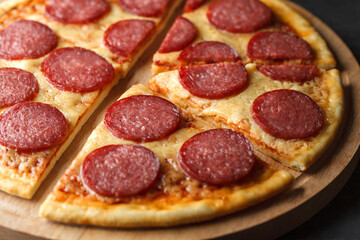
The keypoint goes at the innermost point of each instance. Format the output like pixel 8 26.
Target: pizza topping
pixel 287 114
pixel 278 45
pixel 214 81
pixel 16 85
pixel 77 70
pixel 218 156
pixel 32 126
pixel 239 16
pixel 26 39
pixel 76 11
pixel 142 118
pixel 124 37
pixel 181 34
pixel 191 5
pixel 292 73
pixel 144 8
pixel 120 170
pixel 209 52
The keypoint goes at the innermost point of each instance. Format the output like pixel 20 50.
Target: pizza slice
pixel 232 30
pixel 147 165
pixel 288 100
pixel 291 120
pixel 58 61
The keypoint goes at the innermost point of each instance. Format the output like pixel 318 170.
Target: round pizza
pixel 237 84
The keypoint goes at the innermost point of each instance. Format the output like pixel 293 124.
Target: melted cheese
pixel 235 112
pixel 173 199
pixel 19 173
pixel 284 16
pixel 173 185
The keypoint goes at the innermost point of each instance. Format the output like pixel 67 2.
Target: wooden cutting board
pixel 310 192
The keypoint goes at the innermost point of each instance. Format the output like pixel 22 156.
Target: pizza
pixel 58 61
pixel 146 164
pixel 231 76
pixel 236 82
pixel 214 31
pixel 256 67
pixel 268 112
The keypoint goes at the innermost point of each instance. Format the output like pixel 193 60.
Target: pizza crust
pixel 129 215
pixel 77 205
pixel 235 112
pixel 76 107
pixel 282 12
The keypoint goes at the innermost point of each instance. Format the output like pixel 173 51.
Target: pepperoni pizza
pixel 145 164
pixel 256 67
pixel 230 74
pixel 58 61
pixel 226 28
pixel 238 73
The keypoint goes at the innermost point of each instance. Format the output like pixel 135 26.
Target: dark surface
pixel 341 218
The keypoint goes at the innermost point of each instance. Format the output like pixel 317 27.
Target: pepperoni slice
pixel 287 114
pixel 26 39
pixel 142 118
pixel 16 85
pixel 76 11
pixel 77 70
pixel 292 73
pixel 32 126
pixel 214 81
pixel 239 16
pixel 120 170
pixel 181 34
pixel 209 52
pixel 278 45
pixel 145 8
pixel 191 5
pixel 218 156
pixel 124 37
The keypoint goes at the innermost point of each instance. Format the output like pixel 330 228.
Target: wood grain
pixel 310 192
